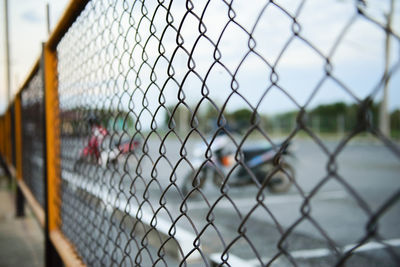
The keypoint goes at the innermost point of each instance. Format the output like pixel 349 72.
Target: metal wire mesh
pixel 144 84
pixel 32 108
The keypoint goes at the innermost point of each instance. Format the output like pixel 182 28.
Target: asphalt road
pixel 366 176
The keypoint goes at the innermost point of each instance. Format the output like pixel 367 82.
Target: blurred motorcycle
pixel 103 150
pixel 258 163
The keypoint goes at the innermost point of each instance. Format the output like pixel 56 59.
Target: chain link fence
pixel 224 133
pixel 32 120
pixel 146 85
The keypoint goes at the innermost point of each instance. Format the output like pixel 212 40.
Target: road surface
pixel 338 213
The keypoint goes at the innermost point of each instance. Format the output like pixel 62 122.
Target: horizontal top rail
pixel 32 73
pixel 73 10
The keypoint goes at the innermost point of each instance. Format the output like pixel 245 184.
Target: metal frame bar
pixel 51 153
pixel 20 200
pixel 18 137
pixel 51 136
pixel 8 151
pixel 1 135
pixel 65 249
pixel 31 74
pixel 32 202
pixel 74 9
pixel 55 240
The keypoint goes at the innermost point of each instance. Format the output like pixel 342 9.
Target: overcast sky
pixel 358 61
pixel 27 30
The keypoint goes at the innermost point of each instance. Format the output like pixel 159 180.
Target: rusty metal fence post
pixel 1 135
pixel 58 247
pixel 51 153
pixel 7 133
pixel 18 155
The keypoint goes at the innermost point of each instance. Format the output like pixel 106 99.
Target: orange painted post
pixel 52 136
pixel 52 150
pixel 18 137
pixel 1 136
pixel 5 137
pixel 8 152
pixel 19 197
pixel 56 244
pixel 10 144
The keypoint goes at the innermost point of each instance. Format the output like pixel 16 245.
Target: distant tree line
pixel 332 118
pixel 208 118
pixel 338 117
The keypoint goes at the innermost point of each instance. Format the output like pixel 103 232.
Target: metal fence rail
pixel 159 133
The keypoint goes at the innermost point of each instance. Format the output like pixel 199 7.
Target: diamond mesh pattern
pixel 143 83
pixel 32 107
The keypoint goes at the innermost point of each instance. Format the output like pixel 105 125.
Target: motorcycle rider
pixel 98 133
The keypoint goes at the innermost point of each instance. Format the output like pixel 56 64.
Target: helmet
pixel 93 120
